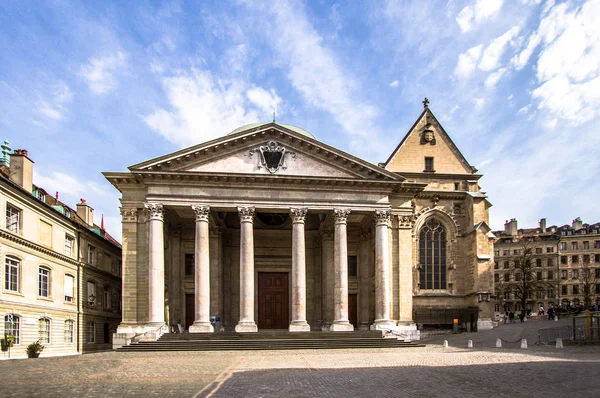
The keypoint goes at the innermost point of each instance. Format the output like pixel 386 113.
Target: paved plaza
pixel 433 371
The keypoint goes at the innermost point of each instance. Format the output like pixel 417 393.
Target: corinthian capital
pixel 298 214
pixel 202 212
pixel 128 214
pixel 155 210
pixel 382 217
pixel 246 214
pixel 341 215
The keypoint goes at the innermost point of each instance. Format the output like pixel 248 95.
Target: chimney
pixel 85 212
pixel 510 227
pixel 543 225
pixel 21 169
pixel 577 224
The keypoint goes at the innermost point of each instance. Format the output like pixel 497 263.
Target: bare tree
pixel 587 277
pixel 523 281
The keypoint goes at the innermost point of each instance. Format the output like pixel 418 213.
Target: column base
pixel 343 326
pixel 382 323
pixel 246 327
pixel 201 327
pixel 299 326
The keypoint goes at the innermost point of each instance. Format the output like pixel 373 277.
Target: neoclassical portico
pixel 269 228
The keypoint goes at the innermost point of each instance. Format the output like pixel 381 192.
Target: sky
pixel 88 87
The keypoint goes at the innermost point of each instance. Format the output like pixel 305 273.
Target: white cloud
pixel 479 102
pixel 203 107
pixel 55 108
pixel 524 110
pixel 480 12
pixel 395 83
pixel 520 60
pixel 99 72
pixel 467 62
pixel 494 77
pixel 490 59
pixel 267 101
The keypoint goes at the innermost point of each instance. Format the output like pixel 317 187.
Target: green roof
pixel 287 126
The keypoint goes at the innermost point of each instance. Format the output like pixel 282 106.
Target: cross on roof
pixel 425 103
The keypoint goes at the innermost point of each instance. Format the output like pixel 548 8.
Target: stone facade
pixel 270 206
pixel 61 279
pixel 565 260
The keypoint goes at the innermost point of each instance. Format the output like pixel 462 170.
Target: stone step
pixel 270 335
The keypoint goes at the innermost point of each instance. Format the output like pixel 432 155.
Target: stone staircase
pixel 268 340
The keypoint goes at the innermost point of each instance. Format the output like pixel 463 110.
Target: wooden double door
pixel 273 300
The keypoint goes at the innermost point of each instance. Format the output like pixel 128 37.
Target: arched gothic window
pixel 432 256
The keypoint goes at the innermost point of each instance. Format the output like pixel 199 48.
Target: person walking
pixel 511 317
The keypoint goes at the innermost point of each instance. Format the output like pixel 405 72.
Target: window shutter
pixel 68 286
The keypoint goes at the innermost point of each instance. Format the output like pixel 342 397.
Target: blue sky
pixel 98 86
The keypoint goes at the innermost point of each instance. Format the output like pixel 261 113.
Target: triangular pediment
pixel 427 138
pixel 270 149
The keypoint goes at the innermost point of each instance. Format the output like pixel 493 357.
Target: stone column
pixel 364 274
pixel 382 269
pixel 298 323
pixel 246 323
pixel 340 264
pixel 156 265
pixel 202 272
pixel 328 282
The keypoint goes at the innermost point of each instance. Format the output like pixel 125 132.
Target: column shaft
pixel 382 269
pixel 298 322
pixel 340 311
pixel 364 273
pixel 156 264
pixel 246 323
pixel 202 272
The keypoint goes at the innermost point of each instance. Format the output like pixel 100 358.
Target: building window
pixel 550 262
pixel 563 274
pixel 69 245
pixel 45 234
pixel 106 297
pixel 517 276
pixel 13 218
pixel 597 244
pixel 598 288
pixel 538 262
pixel 496 253
pixel 563 290
pixel 538 275
pixel 597 258
pixel 586 258
pixel 457 186
pixel 574 246
pixel 516 252
pixel 550 275
pixel 432 255
pixel 69 331
pixel 538 250
pixel 550 292
pixel 569 232
pixel 586 245
pixel 12 326
pixel 506 265
pixel 550 249
pixel 496 278
pixel 563 260
pixel 506 295
pixel 563 245
pixel 91 293
pixel 429 164
pixel 496 265
pixel 189 264
pixel 91 333
pixel 68 288
pixel 575 259
pixel 43 282
pixel 597 272
pixel 575 274
pixel 11 274
pixel 506 252
pixel 507 277
pixel 44 330
pixel 91 255
pixel 352 266
pixel 575 289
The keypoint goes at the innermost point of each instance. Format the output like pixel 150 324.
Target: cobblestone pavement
pixel 540 370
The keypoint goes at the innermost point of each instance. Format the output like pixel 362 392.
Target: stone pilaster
pixel 364 280
pixel 382 268
pixel 129 261
pixel 328 281
pixel 406 269
pixel 340 311
pixel 202 272
pixel 246 323
pixel 298 323
pixel 156 264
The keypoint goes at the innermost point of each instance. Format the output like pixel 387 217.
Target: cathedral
pixel 270 228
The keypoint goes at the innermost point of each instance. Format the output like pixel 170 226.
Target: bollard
pixel 559 343
pixel 445 343
pixel 523 343
pixel 498 343
pixel 470 344
pixel 555 318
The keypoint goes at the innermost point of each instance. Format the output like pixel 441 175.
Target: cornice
pixel 24 242
pixel 439 195
pixel 441 176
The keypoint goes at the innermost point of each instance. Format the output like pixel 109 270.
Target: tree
pixel 587 277
pixel 522 280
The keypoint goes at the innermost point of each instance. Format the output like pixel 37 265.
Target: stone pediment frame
pixel 255 138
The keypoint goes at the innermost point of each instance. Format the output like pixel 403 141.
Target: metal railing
pixel 549 335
